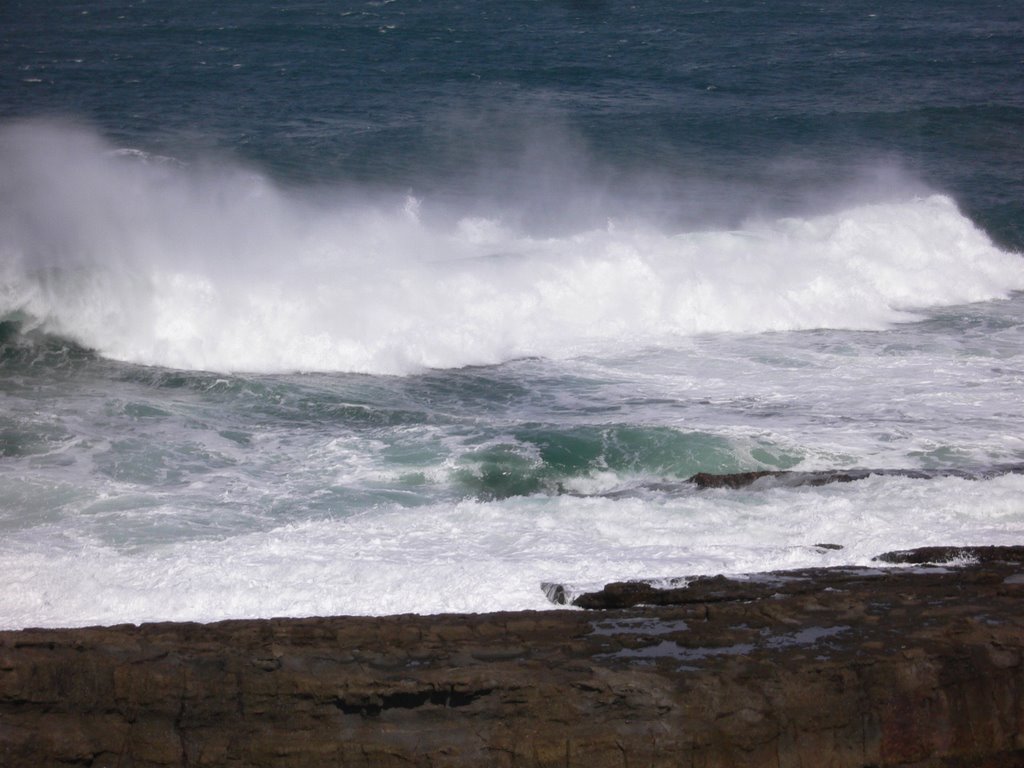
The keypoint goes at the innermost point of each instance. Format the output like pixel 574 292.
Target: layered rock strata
pixel 827 668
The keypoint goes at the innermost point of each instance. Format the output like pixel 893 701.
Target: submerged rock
pixel 822 667
pixel 790 478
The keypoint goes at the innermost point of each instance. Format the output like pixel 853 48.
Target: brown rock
pixel 979 555
pixel 823 668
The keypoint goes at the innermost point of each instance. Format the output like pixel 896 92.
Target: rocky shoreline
pixel 909 666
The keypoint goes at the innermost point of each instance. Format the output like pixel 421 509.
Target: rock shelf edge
pixel 914 666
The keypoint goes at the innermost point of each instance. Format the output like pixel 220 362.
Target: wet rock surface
pixel 917 666
pixel 776 584
pixel 788 478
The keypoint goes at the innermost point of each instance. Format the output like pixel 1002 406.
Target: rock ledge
pixel 914 666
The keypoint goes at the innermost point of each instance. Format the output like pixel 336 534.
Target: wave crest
pixel 213 267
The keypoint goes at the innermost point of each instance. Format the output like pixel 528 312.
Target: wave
pixel 212 267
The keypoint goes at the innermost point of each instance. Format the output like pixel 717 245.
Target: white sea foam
pixel 490 556
pixel 215 268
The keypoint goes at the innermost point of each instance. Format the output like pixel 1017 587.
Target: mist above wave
pixel 208 266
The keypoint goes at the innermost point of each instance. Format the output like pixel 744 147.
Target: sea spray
pixel 213 267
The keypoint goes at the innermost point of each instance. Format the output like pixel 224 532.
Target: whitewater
pixel 150 262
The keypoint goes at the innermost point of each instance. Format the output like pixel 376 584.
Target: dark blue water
pixel 742 97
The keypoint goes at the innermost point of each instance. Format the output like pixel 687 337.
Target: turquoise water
pixel 384 307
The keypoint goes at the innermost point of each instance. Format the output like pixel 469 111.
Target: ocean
pixel 314 308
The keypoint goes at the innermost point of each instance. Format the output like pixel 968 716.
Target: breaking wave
pixel 145 259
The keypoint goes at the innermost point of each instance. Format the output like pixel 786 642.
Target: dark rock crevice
pixel 373 706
